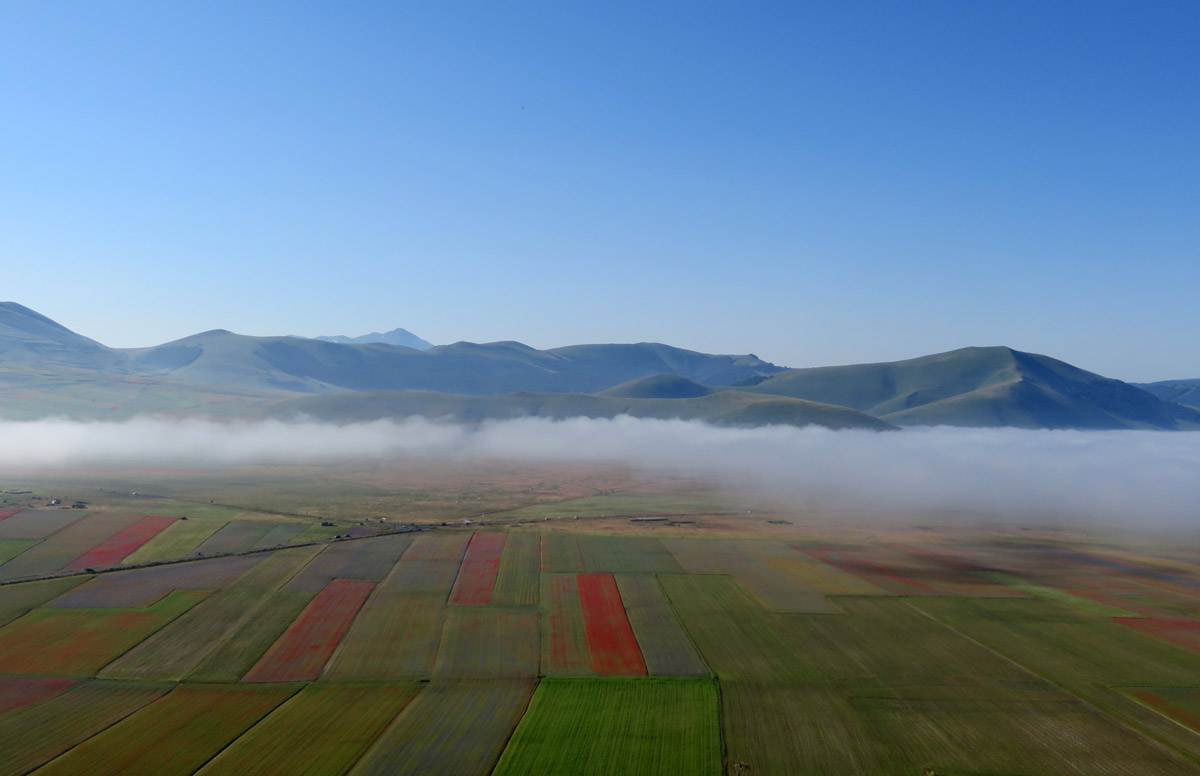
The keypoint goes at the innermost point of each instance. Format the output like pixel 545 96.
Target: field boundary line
pixel 1132 726
pixel 537 684
pixel 208 593
pixel 1147 706
pixel 711 673
pixel 117 721
pixel 253 611
pixel 295 691
pixel 97 570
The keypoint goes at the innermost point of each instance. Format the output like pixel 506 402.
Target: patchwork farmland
pixel 237 642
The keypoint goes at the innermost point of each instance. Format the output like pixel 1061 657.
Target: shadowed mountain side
pixel 729 408
pixel 1179 391
pixel 313 366
pixel 994 386
pixel 31 339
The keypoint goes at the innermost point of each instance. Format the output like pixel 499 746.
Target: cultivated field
pixel 519 621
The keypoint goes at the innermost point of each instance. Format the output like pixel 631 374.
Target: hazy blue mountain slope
pixel 399 337
pixel 629 362
pixel 46 369
pixel 993 386
pixel 720 408
pixel 30 338
pixel 1178 391
pixel 315 366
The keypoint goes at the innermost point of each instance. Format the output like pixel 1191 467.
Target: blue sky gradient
pixel 817 183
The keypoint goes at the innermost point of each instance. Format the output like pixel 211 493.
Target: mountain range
pixel 49 370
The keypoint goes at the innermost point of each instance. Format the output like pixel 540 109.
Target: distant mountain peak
pixel 400 337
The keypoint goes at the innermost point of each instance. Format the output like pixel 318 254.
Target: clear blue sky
pixel 817 183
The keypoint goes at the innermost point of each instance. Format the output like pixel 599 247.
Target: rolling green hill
pixel 726 408
pixel 993 386
pixel 658 387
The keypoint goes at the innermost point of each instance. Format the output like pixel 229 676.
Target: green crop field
pixel 451 727
pixel 561 554
pixel 177 540
pixel 766 569
pixel 665 646
pixel 178 648
pixel 565 649
pixel 483 643
pixel 1058 596
pixel 246 643
pixel 734 634
pixel 323 729
pixel 771 646
pixel 618 726
pixel 74 641
pixel 395 636
pixel 623 504
pixel 35 735
pixel 199 721
pixel 518 583
pixel 16 600
pixel 11 548
pixel 626 554
pixel 59 549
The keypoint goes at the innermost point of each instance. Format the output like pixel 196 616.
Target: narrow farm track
pixel 396 529
pixel 92 571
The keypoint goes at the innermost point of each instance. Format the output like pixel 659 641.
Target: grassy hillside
pixel 31 339
pixel 994 386
pixel 732 408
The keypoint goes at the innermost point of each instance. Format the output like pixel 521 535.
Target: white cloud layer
pixel 1135 478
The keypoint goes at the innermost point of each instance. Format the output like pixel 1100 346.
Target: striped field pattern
pixel 113 549
pixel 304 648
pixel 614 649
pixel 477 574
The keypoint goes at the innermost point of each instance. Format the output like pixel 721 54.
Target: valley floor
pixel 271 620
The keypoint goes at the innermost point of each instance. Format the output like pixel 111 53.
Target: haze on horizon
pixel 1134 481
pixel 816 184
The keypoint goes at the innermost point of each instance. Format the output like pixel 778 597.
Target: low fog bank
pixel 1140 479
